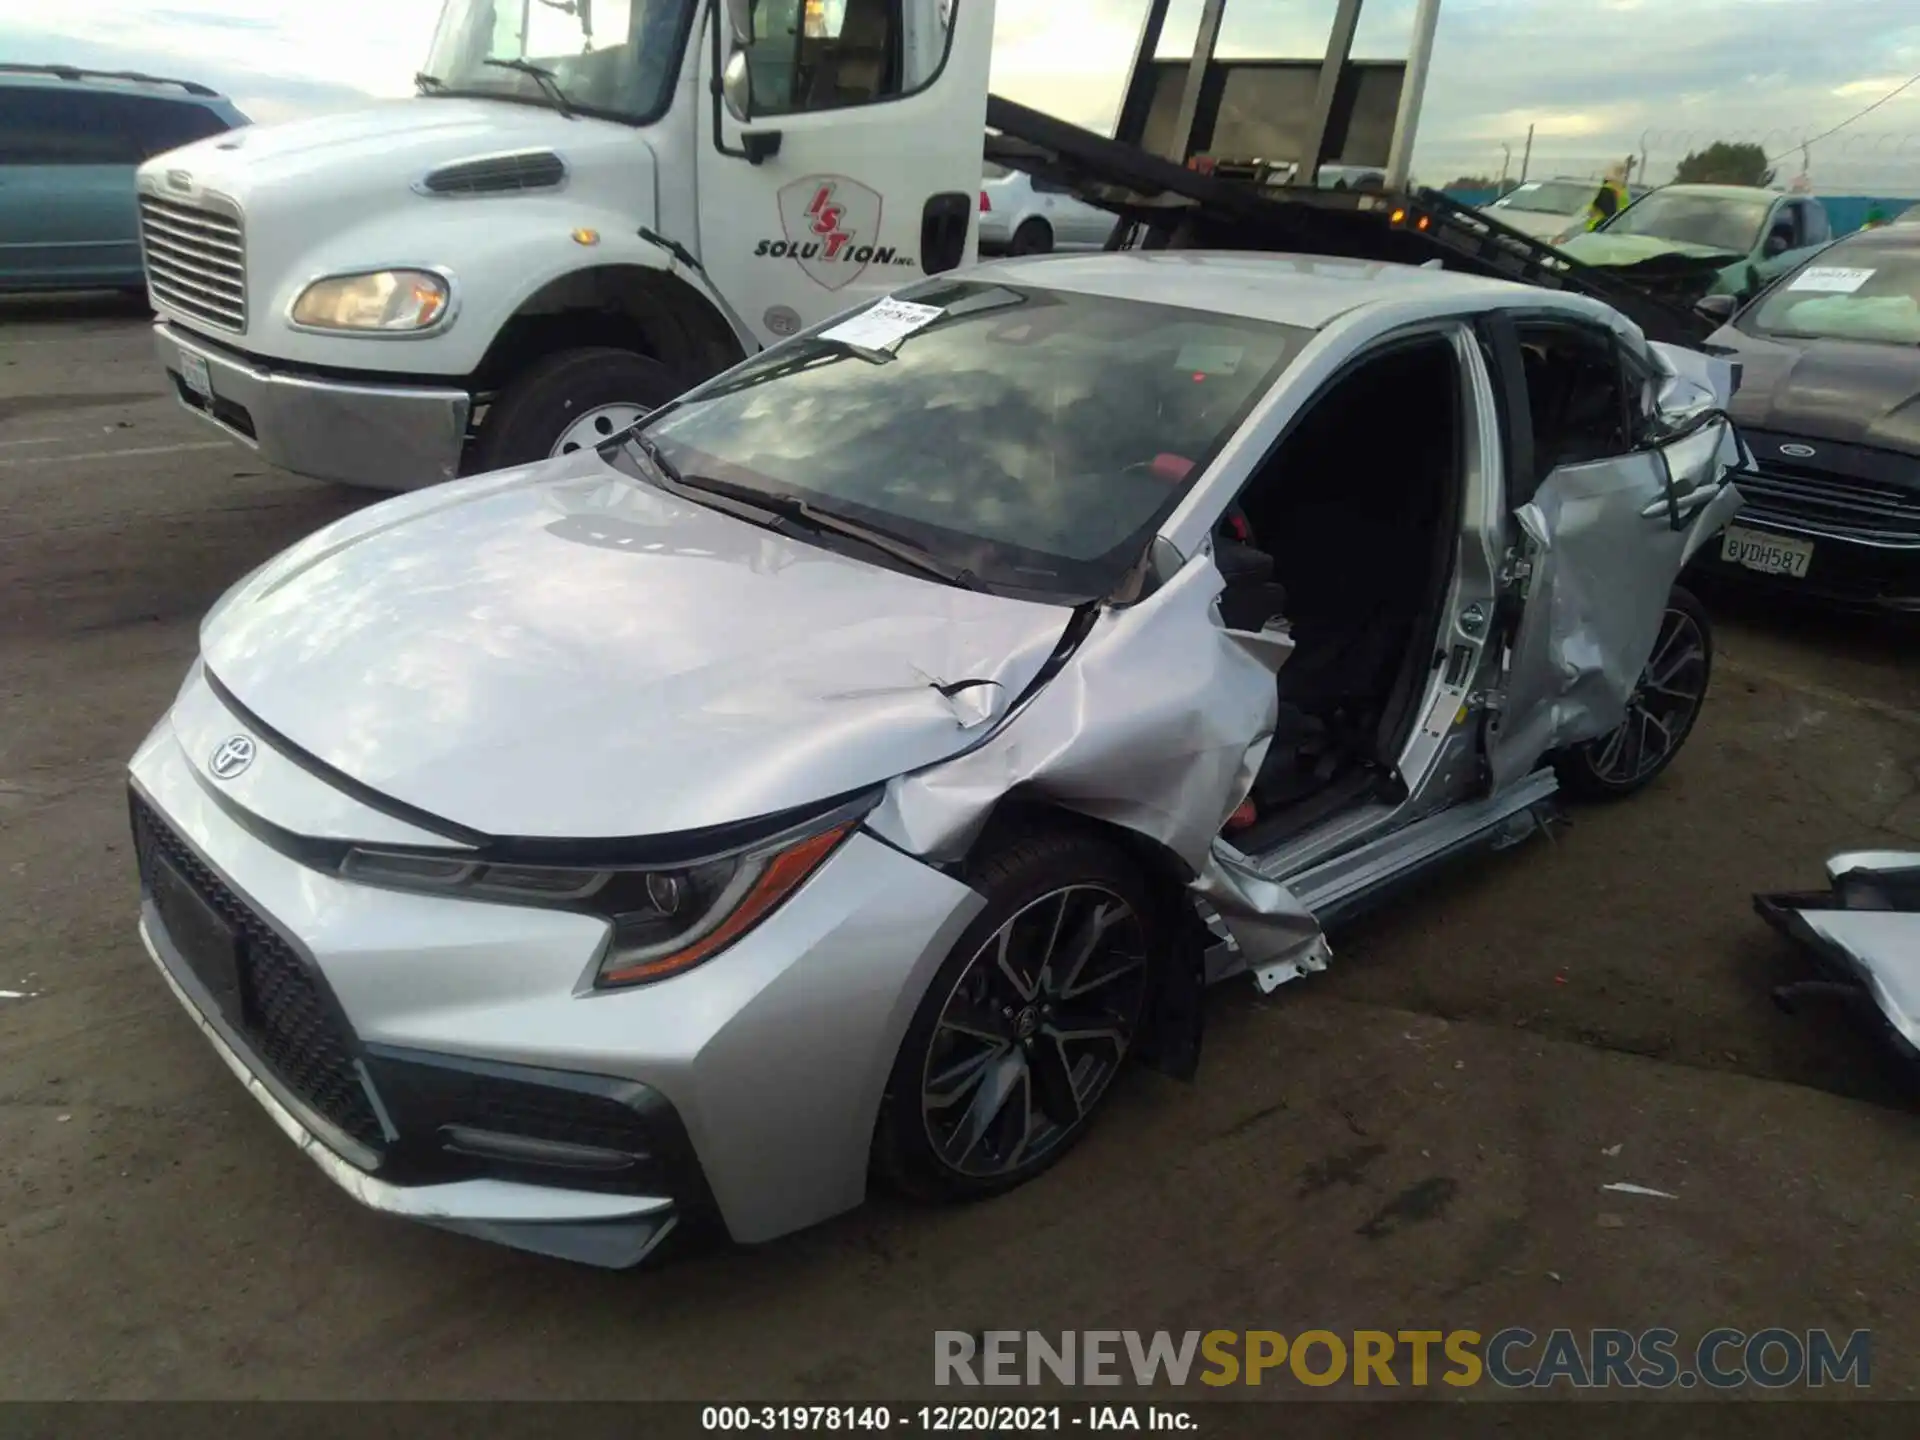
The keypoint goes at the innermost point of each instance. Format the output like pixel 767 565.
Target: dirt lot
pixel 1417 1139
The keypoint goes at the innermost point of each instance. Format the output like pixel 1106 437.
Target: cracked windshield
pixel 1728 223
pixel 1028 435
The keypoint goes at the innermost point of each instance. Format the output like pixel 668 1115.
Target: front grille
pixel 1837 505
pixel 196 260
pixel 285 1016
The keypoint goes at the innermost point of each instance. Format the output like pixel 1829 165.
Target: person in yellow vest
pixel 1610 199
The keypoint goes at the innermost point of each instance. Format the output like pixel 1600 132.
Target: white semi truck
pixel 589 206
pixel 592 205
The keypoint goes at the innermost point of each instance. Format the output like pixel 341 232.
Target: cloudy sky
pixel 1595 78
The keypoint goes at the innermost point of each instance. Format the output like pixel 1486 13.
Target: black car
pixel 1829 401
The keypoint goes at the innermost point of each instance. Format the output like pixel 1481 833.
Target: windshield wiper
pixel 542 76
pixel 795 510
pixel 430 84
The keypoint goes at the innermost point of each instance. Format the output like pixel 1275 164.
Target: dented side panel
pixel 1602 545
pixel 1157 724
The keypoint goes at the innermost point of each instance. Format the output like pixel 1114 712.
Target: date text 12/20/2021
pixel 945 1419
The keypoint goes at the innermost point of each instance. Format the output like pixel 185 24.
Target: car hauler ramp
pixel 1238 154
pixel 1235 205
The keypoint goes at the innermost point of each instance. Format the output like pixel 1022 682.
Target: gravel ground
pixel 1416 1139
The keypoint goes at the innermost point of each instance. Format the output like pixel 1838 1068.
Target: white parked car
pixel 1025 216
pixel 1543 208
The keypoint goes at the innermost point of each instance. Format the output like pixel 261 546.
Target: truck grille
pixel 285 1016
pixel 196 261
pixel 1836 505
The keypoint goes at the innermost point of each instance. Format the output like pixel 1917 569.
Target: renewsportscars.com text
pixel 1512 1358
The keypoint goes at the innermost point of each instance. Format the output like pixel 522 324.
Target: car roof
pixel 1892 236
pixel 1307 291
pixel 77 78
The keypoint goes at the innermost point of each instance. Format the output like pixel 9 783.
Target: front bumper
pixel 430 1054
pixel 383 437
pixel 1844 570
pixel 611 1230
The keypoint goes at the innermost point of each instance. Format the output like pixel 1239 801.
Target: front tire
pixel 567 402
pixel 1027 1022
pixel 1661 712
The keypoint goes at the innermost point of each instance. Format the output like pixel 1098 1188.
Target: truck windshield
pixel 615 58
pixel 1718 222
pixel 1033 437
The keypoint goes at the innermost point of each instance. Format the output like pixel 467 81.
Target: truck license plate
pixel 1768 554
pixel 193 370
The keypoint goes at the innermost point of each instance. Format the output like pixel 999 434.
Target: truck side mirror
pixel 736 86
pixel 740 22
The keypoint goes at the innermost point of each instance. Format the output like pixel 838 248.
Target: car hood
pixel 394 140
pixel 1600 247
pixel 335 188
pixel 1845 390
pixel 560 651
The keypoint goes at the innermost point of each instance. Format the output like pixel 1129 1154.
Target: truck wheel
pixel 1660 712
pixel 1025 1025
pixel 1034 237
pixel 567 402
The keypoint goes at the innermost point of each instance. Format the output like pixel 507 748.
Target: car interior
pixel 1346 535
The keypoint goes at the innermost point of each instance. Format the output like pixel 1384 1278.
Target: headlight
pixel 665 920
pixel 393 301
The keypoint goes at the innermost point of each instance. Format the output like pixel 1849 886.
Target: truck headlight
pixel 383 301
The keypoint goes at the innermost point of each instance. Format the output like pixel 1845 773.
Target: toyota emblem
pixel 1798 452
pixel 231 756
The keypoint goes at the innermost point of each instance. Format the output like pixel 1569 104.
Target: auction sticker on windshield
pixel 1208 359
pixel 1833 279
pixel 885 323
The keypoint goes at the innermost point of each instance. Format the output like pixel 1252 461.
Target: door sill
pixel 1339 798
pixel 1338 887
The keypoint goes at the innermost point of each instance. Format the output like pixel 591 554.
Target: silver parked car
pixel 1021 215
pixel 848 770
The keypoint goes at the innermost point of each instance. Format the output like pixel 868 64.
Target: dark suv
pixel 69 143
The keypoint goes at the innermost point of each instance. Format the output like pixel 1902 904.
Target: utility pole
pixel 1426 19
pixel 1526 156
pixel 1506 159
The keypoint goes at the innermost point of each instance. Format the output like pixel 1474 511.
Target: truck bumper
pixel 381 437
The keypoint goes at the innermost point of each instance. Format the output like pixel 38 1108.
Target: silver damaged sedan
pixel 849 770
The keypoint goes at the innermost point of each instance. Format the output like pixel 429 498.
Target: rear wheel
pixel 1034 237
pixel 1024 1028
pixel 568 402
pixel 1660 712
